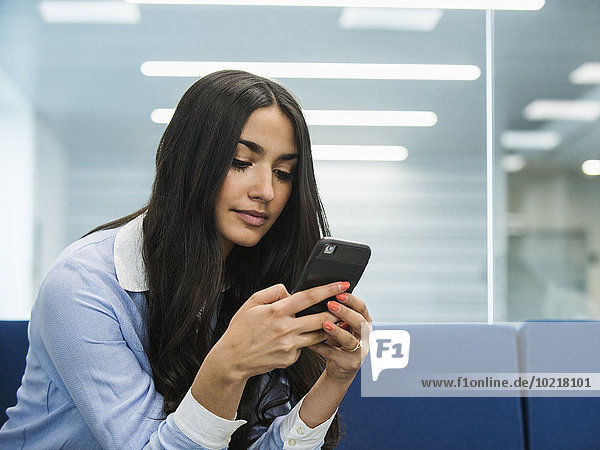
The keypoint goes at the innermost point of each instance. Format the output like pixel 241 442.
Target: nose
pixel 261 187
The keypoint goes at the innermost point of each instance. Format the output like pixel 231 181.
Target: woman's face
pixel 259 182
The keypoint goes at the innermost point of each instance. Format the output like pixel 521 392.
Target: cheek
pixel 284 197
pixel 227 191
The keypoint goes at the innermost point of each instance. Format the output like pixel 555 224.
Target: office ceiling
pixel 86 87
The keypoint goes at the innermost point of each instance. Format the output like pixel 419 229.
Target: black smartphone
pixel 332 260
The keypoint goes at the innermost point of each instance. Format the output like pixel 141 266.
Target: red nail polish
pixel 342 297
pixel 329 326
pixel 344 285
pixel 334 306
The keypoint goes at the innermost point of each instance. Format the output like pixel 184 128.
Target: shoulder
pixel 94 252
pixel 81 299
pixel 83 272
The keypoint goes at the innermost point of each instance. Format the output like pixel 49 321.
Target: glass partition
pixel 547 79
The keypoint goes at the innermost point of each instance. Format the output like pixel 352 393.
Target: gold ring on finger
pixel 358 345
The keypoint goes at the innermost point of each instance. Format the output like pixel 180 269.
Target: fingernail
pixel 329 326
pixel 334 306
pixel 342 297
pixel 344 285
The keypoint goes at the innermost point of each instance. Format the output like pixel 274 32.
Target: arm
pixel 263 335
pixel 82 326
pixel 343 358
pixel 290 432
pixel 323 399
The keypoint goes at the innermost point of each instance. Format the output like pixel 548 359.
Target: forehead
pixel 270 129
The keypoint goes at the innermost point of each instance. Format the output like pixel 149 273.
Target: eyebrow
pixel 261 151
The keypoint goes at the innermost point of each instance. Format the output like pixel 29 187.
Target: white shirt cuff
pixel 297 435
pixel 202 426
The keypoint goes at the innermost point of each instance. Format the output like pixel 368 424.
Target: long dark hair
pixel 189 284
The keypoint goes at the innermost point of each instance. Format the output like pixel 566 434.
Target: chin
pixel 247 239
pixel 246 244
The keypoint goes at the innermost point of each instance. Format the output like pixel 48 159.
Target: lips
pixel 252 217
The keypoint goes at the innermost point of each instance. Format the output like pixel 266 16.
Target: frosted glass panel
pixel 553 206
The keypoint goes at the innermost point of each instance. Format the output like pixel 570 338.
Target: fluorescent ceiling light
pixel 587 73
pixel 523 5
pixel 359 152
pixel 162 115
pixel 591 167
pixel 390 19
pixel 530 140
pixel 513 163
pixel 89 12
pixel 452 72
pixel 585 110
pixel 344 118
pixel 371 118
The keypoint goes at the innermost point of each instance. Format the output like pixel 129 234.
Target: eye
pixel 238 164
pixel 283 176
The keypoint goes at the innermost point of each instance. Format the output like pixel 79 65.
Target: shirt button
pixel 300 431
pixel 292 442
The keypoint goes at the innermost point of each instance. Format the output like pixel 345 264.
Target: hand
pixel 343 361
pixel 265 334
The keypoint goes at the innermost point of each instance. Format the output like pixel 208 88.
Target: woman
pixel 172 327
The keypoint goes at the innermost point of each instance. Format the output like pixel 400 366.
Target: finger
pixel 313 322
pixel 323 350
pixel 355 303
pixel 330 342
pixel 303 299
pixel 269 295
pixel 351 317
pixel 311 338
pixel 346 340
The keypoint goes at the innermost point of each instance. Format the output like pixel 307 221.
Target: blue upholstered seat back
pixel 561 347
pixel 13 350
pixel 419 423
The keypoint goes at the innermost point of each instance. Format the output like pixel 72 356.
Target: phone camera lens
pixel 329 249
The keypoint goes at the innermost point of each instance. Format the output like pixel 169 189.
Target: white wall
pixel 50 198
pixel 16 200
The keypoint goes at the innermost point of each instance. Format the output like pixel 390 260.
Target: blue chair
pixel 434 422
pixel 13 350
pixel 571 421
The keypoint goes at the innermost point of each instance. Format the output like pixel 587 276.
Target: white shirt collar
pixel 129 262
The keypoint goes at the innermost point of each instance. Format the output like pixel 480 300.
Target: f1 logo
pixel 392 349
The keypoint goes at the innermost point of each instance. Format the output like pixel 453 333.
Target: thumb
pixel 269 295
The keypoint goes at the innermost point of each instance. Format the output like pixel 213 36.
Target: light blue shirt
pixel 88 383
